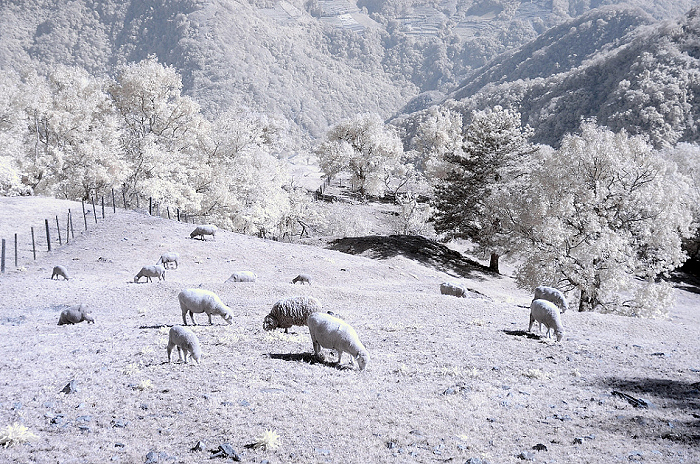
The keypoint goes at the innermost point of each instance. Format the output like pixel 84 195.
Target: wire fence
pixel 58 230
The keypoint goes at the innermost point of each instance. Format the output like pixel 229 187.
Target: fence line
pixel 37 243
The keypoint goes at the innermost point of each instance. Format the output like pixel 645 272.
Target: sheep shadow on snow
pixel 307 358
pixel 414 247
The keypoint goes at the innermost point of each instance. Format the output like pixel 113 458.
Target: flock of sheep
pixel 326 330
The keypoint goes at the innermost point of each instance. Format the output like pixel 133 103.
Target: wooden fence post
pixel 137 201
pixel 70 219
pixel 150 206
pixel 15 250
pixel 84 215
pixel 68 227
pixel 94 211
pixel 48 236
pixel 2 259
pixel 178 215
pixel 114 204
pixel 124 198
pixel 33 244
pixel 58 228
pixel 167 209
pixel 103 206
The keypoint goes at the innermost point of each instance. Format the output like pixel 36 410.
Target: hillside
pixel 611 64
pixel 449 379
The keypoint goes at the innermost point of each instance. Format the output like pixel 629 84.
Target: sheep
pixel 59 271
pixel 201 231
pixel 547 313
pixel 454 289
pixel 553 295
pixel 150 271
pixel 75 315
pixel 335 334
pixel 303 278
pixel 197 300
pixel 243 276
pixel 291 311
pixel 170 257
pixel 186 341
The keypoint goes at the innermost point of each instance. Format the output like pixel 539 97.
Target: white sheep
pixel 59 271
pixel 197 300
pixel 303 278
pixel 454 289
pixel 547 313
pixel 75 315
pixel 335 334
pixel 291 311
pixel 186 341
pixel 151 271
pixel 169 257
pixel 553 295
pixel 201 231
pixel 243 276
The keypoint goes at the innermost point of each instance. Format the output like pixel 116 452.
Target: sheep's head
pixel 228 317
pixel 270 322
pixel 362 360
pixel 88 318
pixel 559 335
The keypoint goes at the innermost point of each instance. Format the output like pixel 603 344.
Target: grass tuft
pixel 15 434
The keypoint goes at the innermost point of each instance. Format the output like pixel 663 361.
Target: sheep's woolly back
pixel 209 229
pixel 75 315
pixel 243 276
pixel 199 300
pixel 291 311
pixel 553 295
pixel 151 271
pixel 450 288
pixel 169 257
pixel 547 313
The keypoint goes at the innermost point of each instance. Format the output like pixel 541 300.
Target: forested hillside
pixel 643 79
pixel 312 63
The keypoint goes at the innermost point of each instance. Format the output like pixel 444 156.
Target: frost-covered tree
pixel 364 147
pixel 165 136
pixel 491 146
pixel 604 216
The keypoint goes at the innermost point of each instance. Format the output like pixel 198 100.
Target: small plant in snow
pixel 268 440
pixel 145 385
pixel 15 434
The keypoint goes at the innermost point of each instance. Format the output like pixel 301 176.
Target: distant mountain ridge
pixel 624 70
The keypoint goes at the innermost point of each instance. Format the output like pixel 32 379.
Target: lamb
pixel 335 334
pixel 201 231
pixel 75 315
pixel 454 289
pixel 150 271
pixel 552 294
pixel 170 257
pixel 197 300
pixel 547 313
pixel 59 271
pixel 243 276
pixel 185 340
pixel 303 278
pixel 291 311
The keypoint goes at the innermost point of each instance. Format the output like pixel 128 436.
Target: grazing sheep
pixel 547 313
pixel 553 295
pixel 243 276
pixel 197 300
pixel 59 271
pixel 170 257
pixel 303 278
pixel 75 315
pixel 150 271
pixel 335 334
pixel 201 231
pixel 185 340
pixel 291 311
pixel 450 288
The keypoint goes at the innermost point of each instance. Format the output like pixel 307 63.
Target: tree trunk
pixel 588 300
pixel 493 263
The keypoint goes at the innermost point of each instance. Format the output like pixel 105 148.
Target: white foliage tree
pixel 364 147
pixel 71 146
pixel 603 216
pixel 165 137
